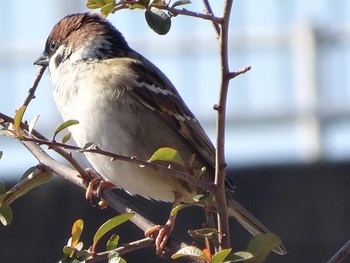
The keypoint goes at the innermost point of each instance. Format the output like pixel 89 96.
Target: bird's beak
pixel 42 61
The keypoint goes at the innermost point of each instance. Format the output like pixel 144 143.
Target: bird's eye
pixel 53 45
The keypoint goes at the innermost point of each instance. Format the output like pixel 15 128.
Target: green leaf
pixel 221 255
pixel 79 246
pixel 112 243
pixel 68 250
pixel 181 2
pixel 91 4
pixel 82 255
pixel 106 6
pixel 114 257
pixel 94 4
pixel 158 20
pixel 29 171
pixel 2 188
pixel 201 234
pixel 77 229
pixel 239 256
pixel 18 118
pixel 66 137
pixel 109 225
pixel 188 251
pixel 5 215
pixel 107 9
pixel 100 2
pixel 158 2
pixel 261 246
pixel 69 260
pixel 4 197
pixel 87 146
pixel 32 124
pixel 33 180
pixel 167 154
pixel 63 126
pixel 178 208
pixel 7 133
pixel 206 197
pixel 136 6
pixel 141 4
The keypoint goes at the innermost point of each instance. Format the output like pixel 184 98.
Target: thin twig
pixel 31 91
pixel 169 171
pixel 58 147
pixel 59 150
pixel 185 12
pixel 220 163
pixel 173 11
pixel 234 74
pixel 210 12
pixel 343 253
pixel 135 245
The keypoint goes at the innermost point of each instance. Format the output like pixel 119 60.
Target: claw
pixel 98 183
pixel 160 233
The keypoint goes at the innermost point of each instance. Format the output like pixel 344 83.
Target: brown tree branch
pixel 132 246
pixel 210 12
pixel 220 163
pixel 59 150
pixel 189 178
pixel 112 199
pixel 343 253
pixel 31 91
pixel 172 10
pixel 234 74
pixel 58 147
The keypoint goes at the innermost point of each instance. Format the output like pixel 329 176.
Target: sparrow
pixel 127 106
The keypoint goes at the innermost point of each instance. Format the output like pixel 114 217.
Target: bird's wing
pixel 154 90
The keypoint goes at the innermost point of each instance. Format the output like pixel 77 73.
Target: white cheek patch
pixel 56 61
pixel 57 58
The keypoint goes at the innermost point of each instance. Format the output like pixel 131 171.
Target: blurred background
pixel 288 141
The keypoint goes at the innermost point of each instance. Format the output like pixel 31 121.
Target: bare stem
pixel 211 13
pixel 343 253
pixel 185 12
pixel 59 150
pixel 169 171
pixel 31 91
pixel 234 74
pixel 220 196
pixel 135 245
pixel 172 10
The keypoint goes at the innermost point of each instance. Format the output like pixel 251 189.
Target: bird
pixel 126 105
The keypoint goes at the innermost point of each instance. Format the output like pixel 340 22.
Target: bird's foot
pixel 97 183
pixel 160 234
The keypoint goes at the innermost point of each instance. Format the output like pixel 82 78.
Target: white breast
pixel 108 119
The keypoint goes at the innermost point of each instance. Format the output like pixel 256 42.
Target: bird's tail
pixel 249 222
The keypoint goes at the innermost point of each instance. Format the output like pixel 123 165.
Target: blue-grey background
pixel 288 143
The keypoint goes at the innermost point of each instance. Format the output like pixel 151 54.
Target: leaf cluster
pixel 74 252
pixel 158 20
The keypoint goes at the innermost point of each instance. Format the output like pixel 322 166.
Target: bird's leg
pixel 163 232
